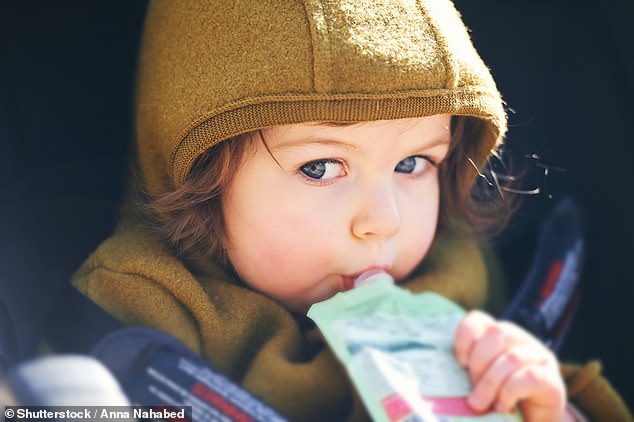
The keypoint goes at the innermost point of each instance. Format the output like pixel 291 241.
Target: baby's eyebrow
pixel 438 142
pixel 295 143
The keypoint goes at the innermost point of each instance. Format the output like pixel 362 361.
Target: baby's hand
pixel 508 366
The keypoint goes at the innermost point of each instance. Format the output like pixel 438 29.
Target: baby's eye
pixel 412 165
pixel 322 169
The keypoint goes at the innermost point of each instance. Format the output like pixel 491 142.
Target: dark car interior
pixel 565 69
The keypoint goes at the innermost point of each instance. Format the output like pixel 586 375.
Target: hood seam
pixel 441 42
pixel 313 40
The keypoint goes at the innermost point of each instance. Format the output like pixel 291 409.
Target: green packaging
pixel 398 350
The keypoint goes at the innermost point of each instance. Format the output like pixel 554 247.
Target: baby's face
pixel 330 202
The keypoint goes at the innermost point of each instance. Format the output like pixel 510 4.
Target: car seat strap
pixel 549 295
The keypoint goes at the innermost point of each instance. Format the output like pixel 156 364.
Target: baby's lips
pixel 370 276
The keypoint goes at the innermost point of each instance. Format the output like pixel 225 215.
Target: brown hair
pixel 191 221
pixel 190 217
pixel 465 192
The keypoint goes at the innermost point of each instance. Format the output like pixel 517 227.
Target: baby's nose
pixel 377 214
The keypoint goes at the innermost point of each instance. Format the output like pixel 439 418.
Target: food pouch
pixel 398 350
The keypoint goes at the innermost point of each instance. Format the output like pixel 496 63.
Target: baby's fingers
pixel 540 391
pixel 469 331
pixel 480 340
pixel 497 339
pixel 488 386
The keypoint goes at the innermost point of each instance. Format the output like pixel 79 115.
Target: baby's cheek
pixel 294 243
pixel 414 243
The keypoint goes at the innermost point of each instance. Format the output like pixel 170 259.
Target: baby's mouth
pixel 351 281
pixel 348 283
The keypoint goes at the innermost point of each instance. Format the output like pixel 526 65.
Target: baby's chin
pixel 324 291
pixel 298 308
pixel 301 308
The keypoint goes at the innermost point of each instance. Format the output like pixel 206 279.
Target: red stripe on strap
pixel 551 279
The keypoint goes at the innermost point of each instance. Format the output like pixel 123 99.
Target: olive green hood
pixel 211 70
